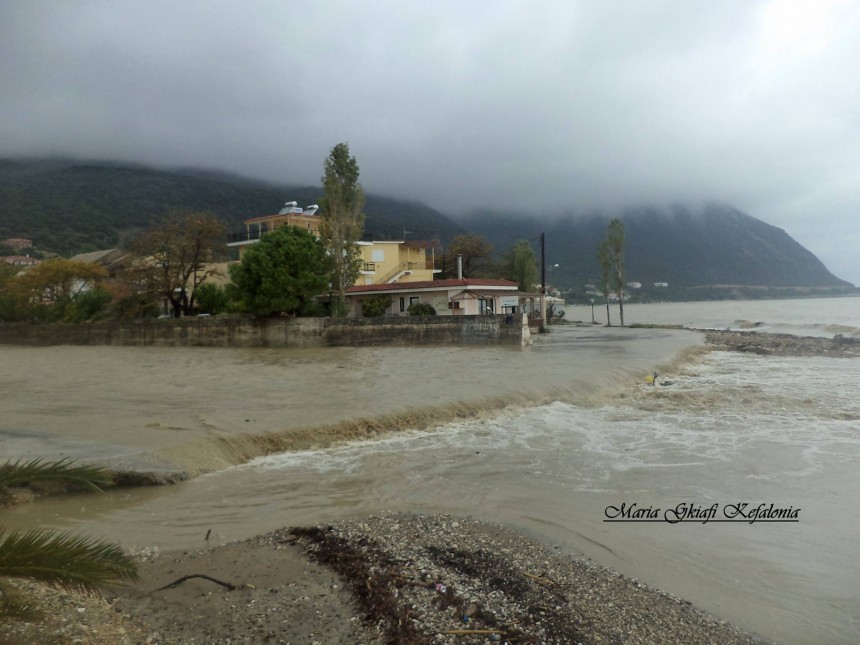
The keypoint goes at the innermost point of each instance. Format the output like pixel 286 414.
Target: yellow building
pixel 397 261
pixel 381 262
pixel 290 215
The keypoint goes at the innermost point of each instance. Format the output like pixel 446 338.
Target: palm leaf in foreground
pixel 19 473
pixel 15 604
pixel 64 560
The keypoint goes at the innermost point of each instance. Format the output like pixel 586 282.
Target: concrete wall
pixel 243 331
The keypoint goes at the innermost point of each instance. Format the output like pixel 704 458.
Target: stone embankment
pixel 247 331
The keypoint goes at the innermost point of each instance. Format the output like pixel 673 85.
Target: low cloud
pixel 539 107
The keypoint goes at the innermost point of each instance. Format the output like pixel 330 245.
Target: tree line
pixel 170 267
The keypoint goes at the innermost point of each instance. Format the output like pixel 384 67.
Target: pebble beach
pixel 413 579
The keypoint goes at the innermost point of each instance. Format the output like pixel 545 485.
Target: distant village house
pixel 21 260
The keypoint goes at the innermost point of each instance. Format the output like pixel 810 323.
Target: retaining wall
pixel 246 331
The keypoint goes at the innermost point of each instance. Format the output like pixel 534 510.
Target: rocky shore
pixel 386 579
pixel 781 344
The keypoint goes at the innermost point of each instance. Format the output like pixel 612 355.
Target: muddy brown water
pixel 549 463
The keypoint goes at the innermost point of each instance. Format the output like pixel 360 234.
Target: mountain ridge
pixel 709 245
pixel 71 206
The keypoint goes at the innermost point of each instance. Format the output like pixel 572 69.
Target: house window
pixel 413 300
pixel 378 256
pixel 403 304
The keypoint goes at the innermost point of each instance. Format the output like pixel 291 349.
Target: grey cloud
pixel 517 105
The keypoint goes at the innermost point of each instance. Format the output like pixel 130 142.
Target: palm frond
pixel 64 560
pixel 17 604
pixel 19 473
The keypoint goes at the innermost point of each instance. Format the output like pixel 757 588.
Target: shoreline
pixel 384 579
pixel 762 343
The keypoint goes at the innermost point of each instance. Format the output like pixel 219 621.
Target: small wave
pixel 748 324
pixel 843 330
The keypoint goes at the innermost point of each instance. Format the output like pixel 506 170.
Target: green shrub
pixel 89 305
pixel 376 306
pixel 421 309
pixel 211 299
pixel 137 305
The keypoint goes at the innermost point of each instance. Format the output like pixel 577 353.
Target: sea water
pixel 724 431
pixel 731 431
pixel 822 317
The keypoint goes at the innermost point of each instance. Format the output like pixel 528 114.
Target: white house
pixel 457 296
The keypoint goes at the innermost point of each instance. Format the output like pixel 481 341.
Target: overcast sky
pixel 539 106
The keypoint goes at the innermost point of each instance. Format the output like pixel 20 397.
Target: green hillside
pixel 686 247
pixel 72 207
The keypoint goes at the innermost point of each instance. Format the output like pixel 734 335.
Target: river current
pixel 722 430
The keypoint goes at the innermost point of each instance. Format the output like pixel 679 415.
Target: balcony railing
pixel 406 266
pixel 246 236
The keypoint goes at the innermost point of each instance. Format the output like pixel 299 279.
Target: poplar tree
pixel 615 244
pixel 604 259
pixel 342 221
pixel 520 265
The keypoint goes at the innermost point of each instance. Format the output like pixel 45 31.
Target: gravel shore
pixel 782 344
pixel 385 579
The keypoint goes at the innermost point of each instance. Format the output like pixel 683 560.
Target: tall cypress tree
pixel 342 222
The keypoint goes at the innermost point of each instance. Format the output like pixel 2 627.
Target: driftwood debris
pixel 178 582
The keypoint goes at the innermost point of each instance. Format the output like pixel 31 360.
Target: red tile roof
pixel 464 283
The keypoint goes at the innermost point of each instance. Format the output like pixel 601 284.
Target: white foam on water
pixel 824 317
pixel 724 410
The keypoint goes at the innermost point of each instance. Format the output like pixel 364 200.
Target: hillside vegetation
pixel 73 207
pixel 70 207
pixel 715 245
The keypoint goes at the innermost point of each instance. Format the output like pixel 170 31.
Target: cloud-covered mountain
pixel 70 207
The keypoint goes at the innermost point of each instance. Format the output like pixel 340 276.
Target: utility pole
pixel 542 284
